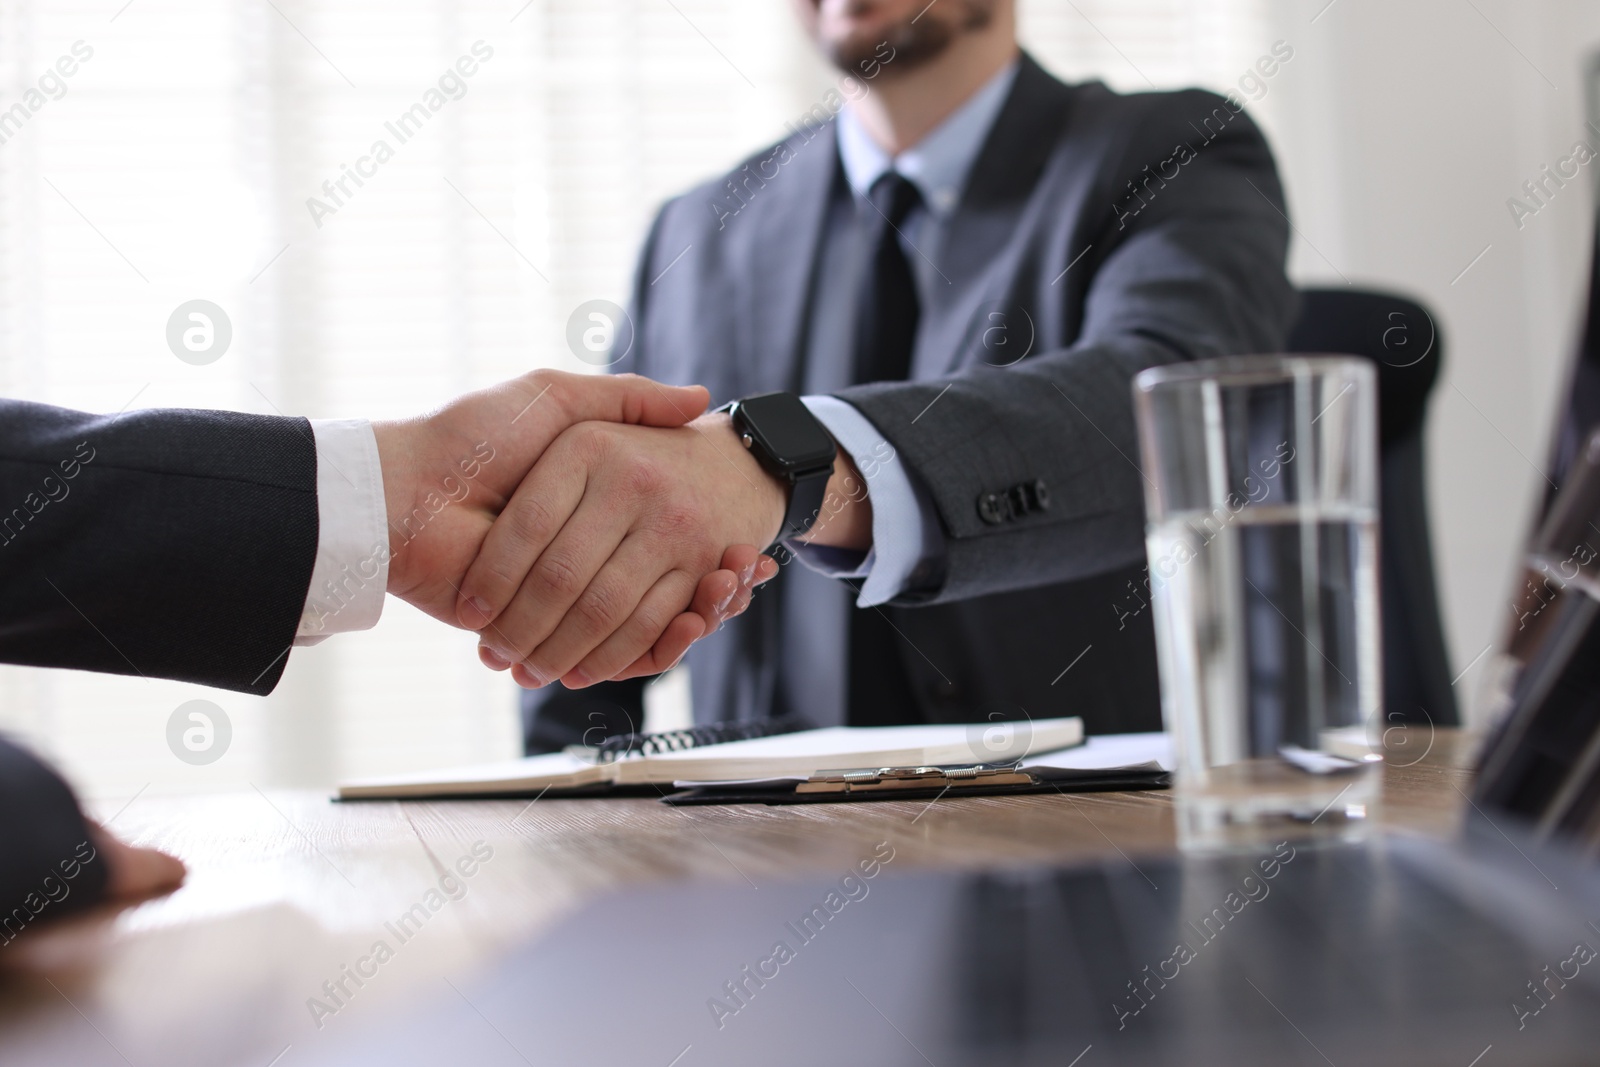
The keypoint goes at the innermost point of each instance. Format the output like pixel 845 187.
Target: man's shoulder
pixel 1122 133
pixel 809 147
pixel 1096 102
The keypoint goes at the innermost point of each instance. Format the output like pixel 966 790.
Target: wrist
pixel 397 463
pixel 846 517
pixel 768 494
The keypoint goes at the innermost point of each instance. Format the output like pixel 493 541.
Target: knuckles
pixel 651 619
pixel 642 475
pixel 557 576
pixel 552 388
pixel 683 532
pixel 592 444
pixel 599 608
pixel 531 521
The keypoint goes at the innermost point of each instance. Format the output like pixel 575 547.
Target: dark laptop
pixel 1409 952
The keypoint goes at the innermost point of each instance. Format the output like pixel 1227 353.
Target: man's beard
pixel 915 40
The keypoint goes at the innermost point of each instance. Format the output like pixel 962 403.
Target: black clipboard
pixel 927 783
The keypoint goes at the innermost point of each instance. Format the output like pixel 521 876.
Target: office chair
pixel 1405 342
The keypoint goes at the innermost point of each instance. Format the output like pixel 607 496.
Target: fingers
pixel 720 595
pixel 574 584
pixel 681 633
pixel 641 647
pixel 763 571
pixel 599 637
pixel 543 503
pixel 638 591
pixel 658 611
pixel 136 872
pixel 624 398
pixel 146 871
pixel 766 570
pixel 725 593
pixel 741 560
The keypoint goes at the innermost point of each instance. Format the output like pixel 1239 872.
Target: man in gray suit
pixel 959 269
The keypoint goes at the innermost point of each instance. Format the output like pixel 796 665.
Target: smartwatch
pixel 793 446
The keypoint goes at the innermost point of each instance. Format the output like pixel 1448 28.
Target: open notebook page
pixel 556 770
pixel 841 747
pixel 1096 753
pixel 802 754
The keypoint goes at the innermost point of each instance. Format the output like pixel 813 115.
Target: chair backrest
pixel 1406 344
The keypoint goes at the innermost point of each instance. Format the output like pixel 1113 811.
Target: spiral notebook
pixel 726 752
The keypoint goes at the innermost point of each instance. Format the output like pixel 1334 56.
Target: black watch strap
pixel 806 495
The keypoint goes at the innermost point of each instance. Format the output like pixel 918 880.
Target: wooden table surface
pixel 287 888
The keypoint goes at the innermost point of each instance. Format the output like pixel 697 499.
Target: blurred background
pixel 177 160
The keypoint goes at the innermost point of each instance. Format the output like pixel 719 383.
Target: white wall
pixel 1402 128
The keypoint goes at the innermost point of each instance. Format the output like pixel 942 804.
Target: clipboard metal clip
pixel 888 779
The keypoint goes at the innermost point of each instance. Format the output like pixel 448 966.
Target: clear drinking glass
pixel 1261 496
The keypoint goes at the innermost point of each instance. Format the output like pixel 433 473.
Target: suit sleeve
pixel 1193 269
pixel 168 544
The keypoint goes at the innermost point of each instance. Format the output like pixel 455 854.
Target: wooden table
pixel 287 888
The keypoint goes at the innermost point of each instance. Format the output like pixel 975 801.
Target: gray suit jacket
pixel 1109 233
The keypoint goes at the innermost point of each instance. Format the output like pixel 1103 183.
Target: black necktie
pixel 879 691
pixel 886 322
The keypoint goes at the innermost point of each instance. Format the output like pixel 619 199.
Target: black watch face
pixel 787 430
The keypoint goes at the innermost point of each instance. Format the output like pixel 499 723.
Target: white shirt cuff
pixel 352 566
pixel 905 528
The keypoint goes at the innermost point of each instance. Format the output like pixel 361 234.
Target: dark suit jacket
pixel 168 544
pixel 1119 231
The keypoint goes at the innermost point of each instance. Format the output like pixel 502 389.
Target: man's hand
pixel 132 874
pixel 71 942
pixel 448 475
pixel 606 538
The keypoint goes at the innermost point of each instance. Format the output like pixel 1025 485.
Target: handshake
pixel 586 527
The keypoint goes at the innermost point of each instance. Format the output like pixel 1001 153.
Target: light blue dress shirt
pixel 905 529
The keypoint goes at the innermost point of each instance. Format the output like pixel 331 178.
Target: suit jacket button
pixel 1018 496
pixel 991 510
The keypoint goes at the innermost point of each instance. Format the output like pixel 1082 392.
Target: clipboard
pixel 926 783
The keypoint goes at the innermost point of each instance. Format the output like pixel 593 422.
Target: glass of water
pixel 1261 502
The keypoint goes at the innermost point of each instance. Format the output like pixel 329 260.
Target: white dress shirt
pixel 352 566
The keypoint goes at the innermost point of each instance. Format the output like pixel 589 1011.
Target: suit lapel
pixel 997 195
pixel 787 239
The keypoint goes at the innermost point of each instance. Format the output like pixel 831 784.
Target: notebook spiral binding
pixel 615 748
